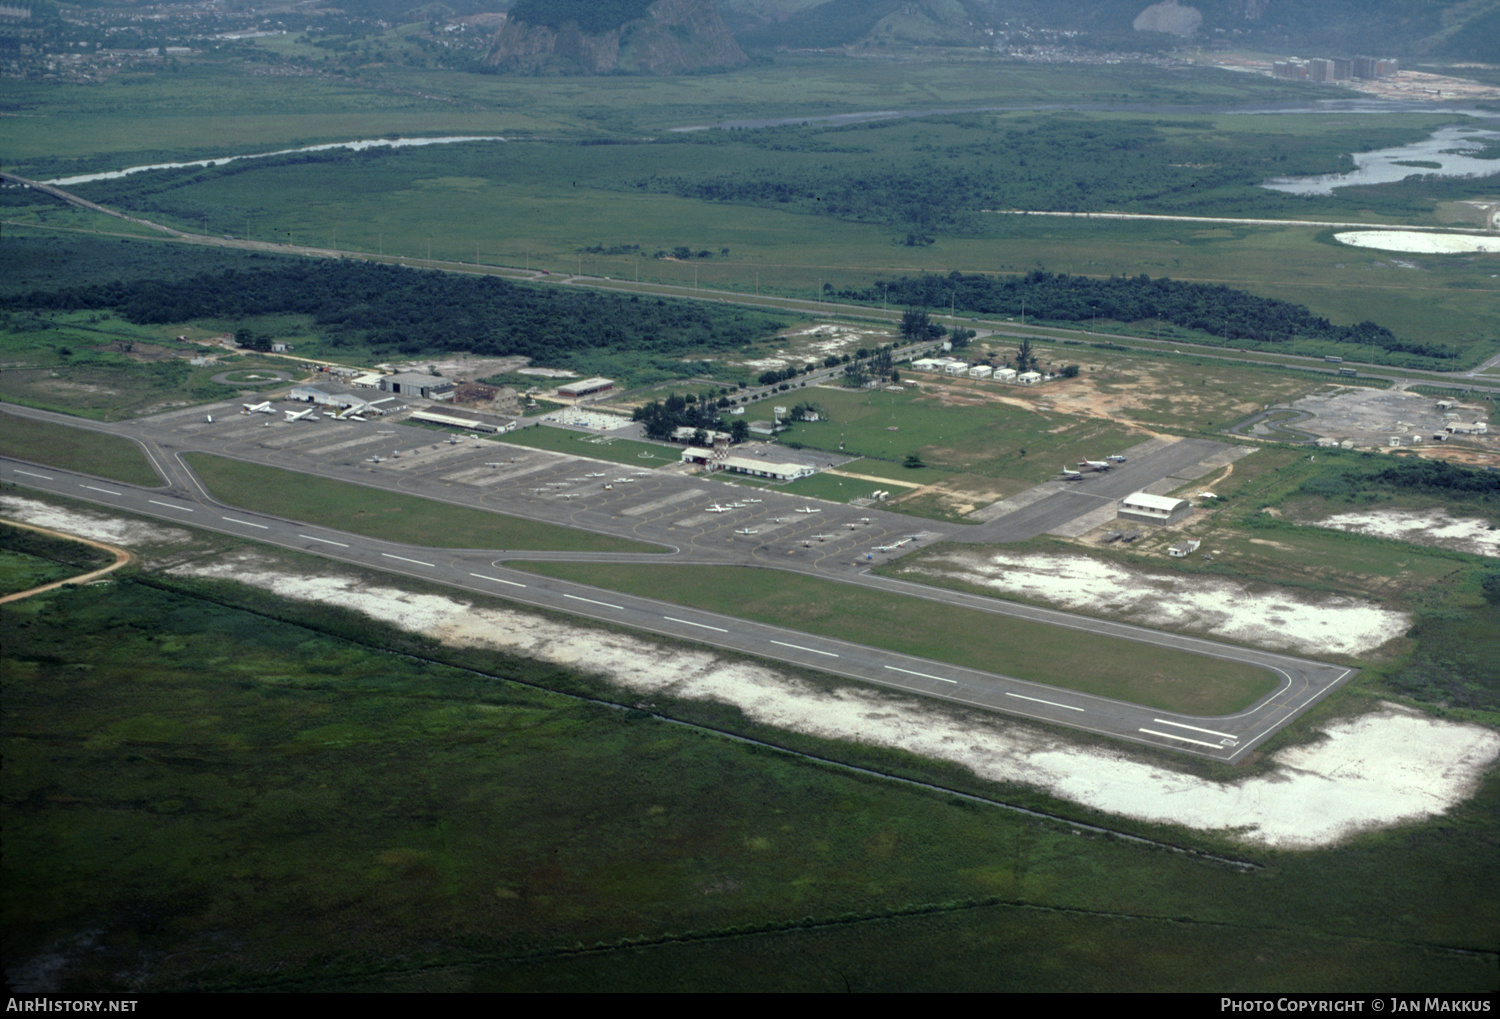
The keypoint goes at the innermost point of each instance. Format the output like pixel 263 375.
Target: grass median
pixel 1126 670
pixel 389 516
pixel 76 449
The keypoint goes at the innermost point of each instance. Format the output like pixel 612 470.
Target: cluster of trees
pixel 1231 315
pixel 1430 477
pixel 410 312
pixel 701 413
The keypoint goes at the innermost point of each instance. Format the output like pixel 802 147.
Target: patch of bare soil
pixel 1420 527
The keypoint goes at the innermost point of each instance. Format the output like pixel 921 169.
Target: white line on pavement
pixel 171 505
pixel 247 523
pixel 96 488
pixel 33 474
pixel 406 560
pixel 1211 732
pixel 689 622
pixel 593 602
pixel 1040 701
pixel 924 675
pixel 799 647
pixel 1173 735
pixel 325 541
pixel 497 580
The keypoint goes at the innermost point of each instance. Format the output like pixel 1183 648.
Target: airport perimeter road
pixel 1227 738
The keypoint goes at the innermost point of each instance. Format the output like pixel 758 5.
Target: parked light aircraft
pixel 1117 458
pixel 716 508
pixel 744 530
pixel 809 509
pixel 1098 465
pixel 891 548
pixel 302 415
pixel 259 408
pixel 1072 475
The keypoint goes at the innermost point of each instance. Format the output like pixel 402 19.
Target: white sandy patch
pixel 1395 766
pixel 1306 624
pixel 1435 528
pixel 1421 243
pixel 88 525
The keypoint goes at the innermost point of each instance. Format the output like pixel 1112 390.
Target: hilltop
pixel 602 36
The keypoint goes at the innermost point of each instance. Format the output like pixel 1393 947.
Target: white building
pixel 1005 374
pixel 1029 378
pixel 981 371
pixel 1153 509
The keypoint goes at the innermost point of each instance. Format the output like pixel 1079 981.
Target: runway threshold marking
pixel 232 520
pixel 497 580
pixel 591 601
pixel 799 647
pixel 171 505
pixel 33 474
pixel 689 622
pixel 924 675
pixel 96 488
pixel 1038 700
pixel 1173 735
pixel 325 541
pixel 406 560
pixel 1194 728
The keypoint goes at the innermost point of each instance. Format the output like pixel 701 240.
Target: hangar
pixel 1146 508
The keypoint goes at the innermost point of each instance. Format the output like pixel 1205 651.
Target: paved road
pixel 676 513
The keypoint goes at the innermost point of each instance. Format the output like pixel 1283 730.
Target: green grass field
pixel 1059 657
pixel 76 449
pixel 390 516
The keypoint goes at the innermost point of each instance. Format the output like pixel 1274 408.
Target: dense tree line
pixel 1430 477
pixel 409 312
pixel 663 417
pixel 1232 315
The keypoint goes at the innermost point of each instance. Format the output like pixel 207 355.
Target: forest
pixel 1232 316
pixel 409 312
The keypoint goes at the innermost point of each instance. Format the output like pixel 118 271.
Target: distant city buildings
pixel 1335 69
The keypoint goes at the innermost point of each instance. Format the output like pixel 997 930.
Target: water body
pixel 356 146
pixel 1447 146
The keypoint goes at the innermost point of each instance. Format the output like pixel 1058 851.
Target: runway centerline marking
pixel 33 474
pixel 232 520
pixel 1038 700
pixel 96 488
pixel 591 601
pixel 325 541
pixel 497 580
pixel 406 560
pixel 1211 732
pixel 171 505
pixel 689 622
pixel 1173 735
pixel 799 647
pixel 924 675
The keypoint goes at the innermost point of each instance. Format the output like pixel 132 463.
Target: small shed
pixel 1153 509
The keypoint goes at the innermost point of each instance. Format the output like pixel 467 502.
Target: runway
pixel 757 526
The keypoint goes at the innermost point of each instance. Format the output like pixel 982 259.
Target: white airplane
pixel 716 508
pixel 375 459
pixel 1117 458
pixel 302 415
pixel 210 418
pixel 578 479
pixel 258 408
pixel 453 440
pixel 1098 465
pixel 1072 475
pixel 891 548
pixel 822 537
pixel 755 500
pixel 599 475
pixel 809 509
pixel 496 463
pixel 744 530
pixel 572 495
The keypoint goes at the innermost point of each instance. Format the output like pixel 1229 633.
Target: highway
pixel 676 513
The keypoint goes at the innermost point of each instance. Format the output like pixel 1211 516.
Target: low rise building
pixel 1183 549
pixel 1146 508
pixel 429 387
pixel 586 387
